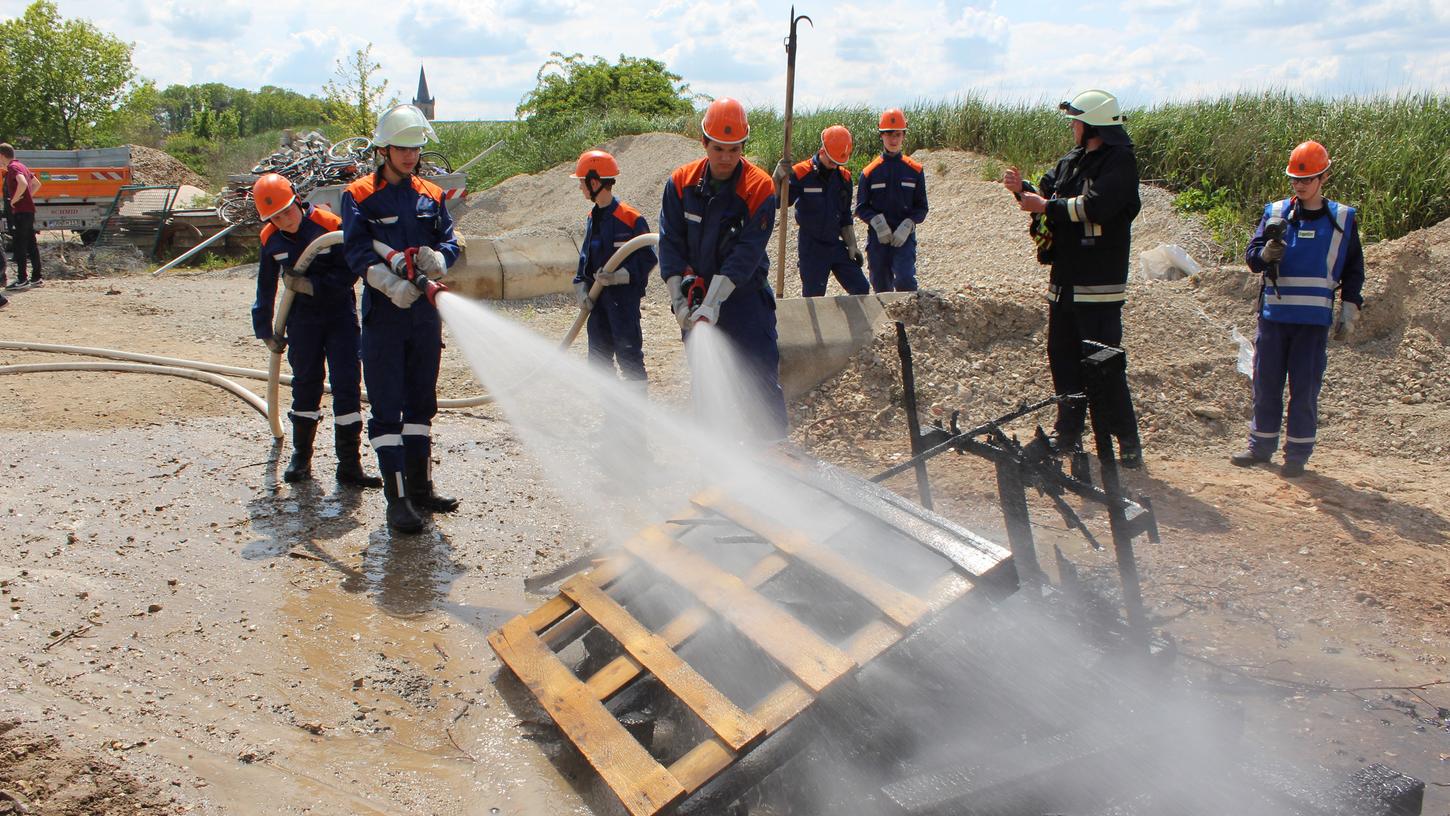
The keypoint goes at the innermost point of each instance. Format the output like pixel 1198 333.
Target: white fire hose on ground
pixel 212 373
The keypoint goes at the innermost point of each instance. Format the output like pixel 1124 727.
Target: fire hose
pixel 629 248
pixel 212 373
pixel 279 326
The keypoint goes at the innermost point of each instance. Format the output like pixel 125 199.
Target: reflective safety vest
pixel 1313 262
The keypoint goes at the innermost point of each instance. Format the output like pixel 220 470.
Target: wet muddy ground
pixel 184 633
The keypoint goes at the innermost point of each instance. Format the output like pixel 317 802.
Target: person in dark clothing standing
pixel 891 199
pixel 820 190
pixel 19 186
pixel 1083 212
pixel 402 332
pixel 322 331
pixel 614 331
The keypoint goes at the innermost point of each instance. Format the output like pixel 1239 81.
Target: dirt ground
pixel 185 633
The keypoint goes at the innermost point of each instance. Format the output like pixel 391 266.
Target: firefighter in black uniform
pixel 1083 211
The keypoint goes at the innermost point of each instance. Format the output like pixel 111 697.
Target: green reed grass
pixel 1227 155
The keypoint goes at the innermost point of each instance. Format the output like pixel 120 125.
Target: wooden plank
pixel 733 726
pixel 701 763
pixel 901 607
pixel 622 670
pixel 789 642
pixel 642 785
pixel 554 611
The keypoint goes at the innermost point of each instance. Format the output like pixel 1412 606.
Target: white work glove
pixel 399 291
pixel 678 304
pixel 581 295
pixel 853 248
pixel 275 344
pixel 782 172
pixel 903 231
pixel 709 309
pixel 301 284
pixel 430 262
pixel 1273 251
pixel 883 230
pixel 614 278
pixel 1344 324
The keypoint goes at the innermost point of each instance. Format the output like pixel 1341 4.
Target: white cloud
pixel 482 54
pixel 205 19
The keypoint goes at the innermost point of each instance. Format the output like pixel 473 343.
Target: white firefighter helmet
pixel 403 126
pixel 1096 108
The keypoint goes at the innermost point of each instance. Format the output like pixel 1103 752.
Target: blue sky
pixel 482 55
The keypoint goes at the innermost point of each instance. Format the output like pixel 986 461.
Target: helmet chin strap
pixel 594 184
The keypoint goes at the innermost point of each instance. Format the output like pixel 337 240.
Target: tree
pixel 354 99
pixel 60 79
pixel 572 84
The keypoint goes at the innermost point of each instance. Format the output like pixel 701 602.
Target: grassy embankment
pixel 1224 157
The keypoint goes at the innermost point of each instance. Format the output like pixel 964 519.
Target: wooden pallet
pixel 810 662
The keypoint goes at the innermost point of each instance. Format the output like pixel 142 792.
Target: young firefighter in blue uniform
pixel 891 197
pixel 820 189
pixel 614 332
pixel 715 222
pixel 402 334
pixel 1317 252
pixel 322 331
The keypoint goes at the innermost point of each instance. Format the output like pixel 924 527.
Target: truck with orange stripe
pixel 78 187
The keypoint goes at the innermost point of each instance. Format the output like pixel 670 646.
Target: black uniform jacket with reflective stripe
pixel 1093 199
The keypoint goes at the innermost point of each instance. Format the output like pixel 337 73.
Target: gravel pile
pixel 551 201
pixel 152 166
pixel 978 335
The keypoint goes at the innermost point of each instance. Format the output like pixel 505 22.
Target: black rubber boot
pixel 420 488
pixel 304 432
pixel 347 439
pixel 1130 452
pixel 401 515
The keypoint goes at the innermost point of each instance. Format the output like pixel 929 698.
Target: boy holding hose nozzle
pixel 398 236
pixel 715 222
pixel 1306 246
pixel 322 330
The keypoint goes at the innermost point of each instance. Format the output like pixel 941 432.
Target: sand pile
pixel 152 166
pixel 551 201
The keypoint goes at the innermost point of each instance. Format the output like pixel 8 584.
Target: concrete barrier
pixel 513 268
pixel 819 335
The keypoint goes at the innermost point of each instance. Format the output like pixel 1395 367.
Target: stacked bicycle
pixel 313 161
